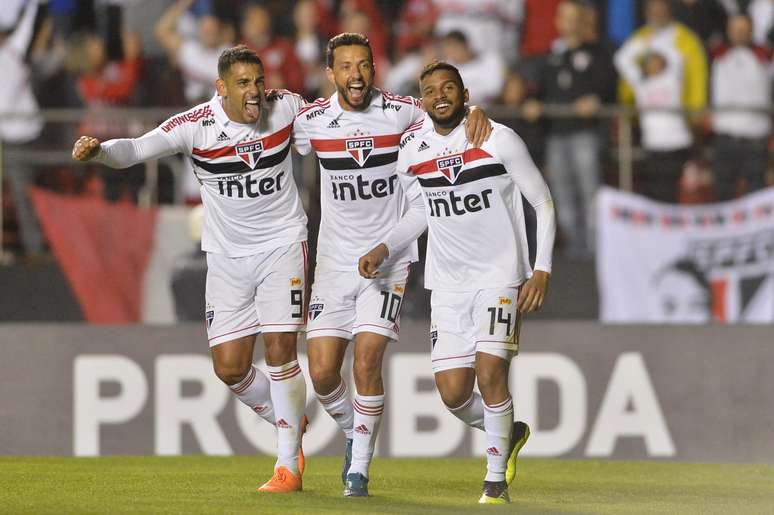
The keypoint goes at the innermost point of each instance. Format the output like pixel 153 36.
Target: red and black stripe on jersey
pixel 205 156
pixel 466 175
pixel 348 163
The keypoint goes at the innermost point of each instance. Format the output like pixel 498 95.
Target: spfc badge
pixel 315 308
pixel 360 149
pixel 209 316
pixel 450 166
pixel 433 337
pixel 250 152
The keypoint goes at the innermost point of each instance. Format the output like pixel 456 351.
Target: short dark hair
pixel 442 65
pixel 236 54
pixel 345 39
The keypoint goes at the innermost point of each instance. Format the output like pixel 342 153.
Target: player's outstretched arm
pixel 86 148
pixel 478 127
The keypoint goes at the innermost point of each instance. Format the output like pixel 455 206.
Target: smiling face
pixel 243 92
pixel 353 75
pixel 443 97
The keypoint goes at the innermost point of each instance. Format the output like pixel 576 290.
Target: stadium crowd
pixel 521 59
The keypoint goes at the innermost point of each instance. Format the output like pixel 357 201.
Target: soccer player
pixel 477 260
pixel 355 134
pixel 254 234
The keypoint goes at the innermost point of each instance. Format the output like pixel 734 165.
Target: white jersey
pixel 477 236
pixel 361 196
pixel 251 203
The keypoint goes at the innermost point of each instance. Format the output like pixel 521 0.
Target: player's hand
pixel 478 127
pixel 85 148
pixel 533 293
pixel 369 264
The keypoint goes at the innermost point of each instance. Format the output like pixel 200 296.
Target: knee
pixel 491 382
pixel 280 348
pixel 231 373
pixel 453 398
pixel 367 368
pixel 325 376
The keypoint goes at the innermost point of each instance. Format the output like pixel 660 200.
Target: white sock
pixel 471 412
pixel 498 424
pixel 288 393
pixel 254 391
pixel 339 407
pixel 368 415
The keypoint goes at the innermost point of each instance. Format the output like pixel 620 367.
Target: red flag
pixel 103 249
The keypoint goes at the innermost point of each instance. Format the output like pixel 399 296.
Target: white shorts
pixel 344 304
pixel 259 293
pixel 464 323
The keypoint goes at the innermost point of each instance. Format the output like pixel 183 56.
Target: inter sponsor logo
pixel 360 149
pixel 457 205
pixel 250 152
pixel 450 167
pixel 241 186
pixel 364 189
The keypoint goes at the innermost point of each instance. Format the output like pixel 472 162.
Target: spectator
pixel 404 75
pixel 482 73
pixel 663 33
pixel 197 58
pixel 514 95
pixel 363 17
pixel 762 14
pixel 101 84
pixel 656 74
pixel 579 73
pixel 310 45
pixel 281 65
pixel 539 27
pixel 707 18
pixel 740 78
pixel 414 28
pixel 489 25
pixel 19 132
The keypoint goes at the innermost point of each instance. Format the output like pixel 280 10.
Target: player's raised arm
pixel 123 153
pixel 522 169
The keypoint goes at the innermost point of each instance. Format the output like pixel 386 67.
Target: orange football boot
pixel 282 482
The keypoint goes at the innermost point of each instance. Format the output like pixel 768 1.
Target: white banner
pixel 665 263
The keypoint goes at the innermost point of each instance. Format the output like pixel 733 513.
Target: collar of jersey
pixel 376 98
pixel 427 126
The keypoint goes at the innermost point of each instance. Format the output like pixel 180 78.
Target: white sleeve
pixel 21 37
pixel 625 60
pixel 414 220
pixel 123 153
pixel 415 111
pixel 527 177
pixel 301 138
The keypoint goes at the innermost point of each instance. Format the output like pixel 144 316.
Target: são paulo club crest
pixel 360 149
pixel 250 152
pixel 450 166
pixel 315 308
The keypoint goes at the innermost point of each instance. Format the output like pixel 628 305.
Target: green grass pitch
pixel 197 484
